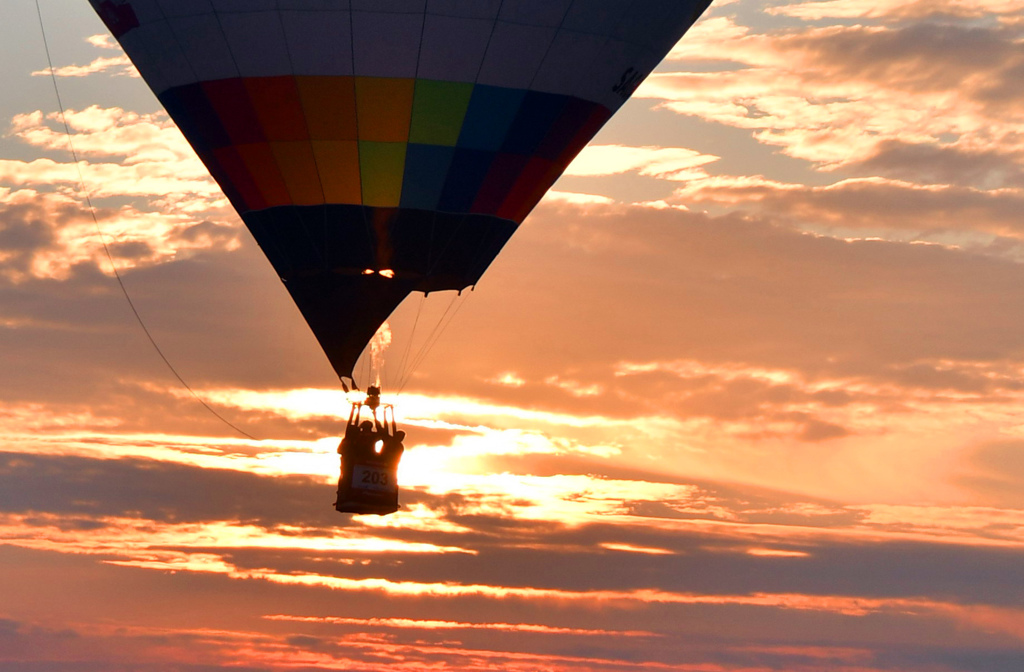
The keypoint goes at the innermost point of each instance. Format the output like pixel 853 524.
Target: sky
pixel 742 394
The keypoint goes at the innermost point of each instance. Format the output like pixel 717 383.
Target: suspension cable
pixel 432 338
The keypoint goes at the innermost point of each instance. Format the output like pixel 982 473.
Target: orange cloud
pixel 171 193
pixel 409 623
pixel 65 234
pixel 671 163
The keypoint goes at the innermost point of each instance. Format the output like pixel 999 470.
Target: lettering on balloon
pixel 628 82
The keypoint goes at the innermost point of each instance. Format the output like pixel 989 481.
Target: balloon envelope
pixel 380 147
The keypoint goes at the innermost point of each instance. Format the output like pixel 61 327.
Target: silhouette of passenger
pixel 393 448
pixel 358 444
pixel 366 440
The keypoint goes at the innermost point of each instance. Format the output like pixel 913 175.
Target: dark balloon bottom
pixel 348 266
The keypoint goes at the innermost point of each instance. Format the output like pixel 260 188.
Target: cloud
pixel 671 163
pixel 120 65
pixel 177 209
pixel 830 95
pixel 932 104
pixel 995 472
pixel 149 159
pixel 962 165
pixel 111 132
pixel 553 569
pixel 897 9
pixel 103 41
pixel 791 339
pixel 404 623
pixel 111 65
pixel 874 204
pixel 47 235
pixel 707 281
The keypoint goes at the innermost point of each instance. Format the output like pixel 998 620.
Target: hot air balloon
pixel 376 148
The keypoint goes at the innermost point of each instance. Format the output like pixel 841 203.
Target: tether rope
pixel 103 239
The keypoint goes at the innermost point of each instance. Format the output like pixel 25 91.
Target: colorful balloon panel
pixel 413 136
pixel 427 144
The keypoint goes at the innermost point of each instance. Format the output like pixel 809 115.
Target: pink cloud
pixel 858 98
pixel 873 204
pixel 120 65
pixel 897 9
